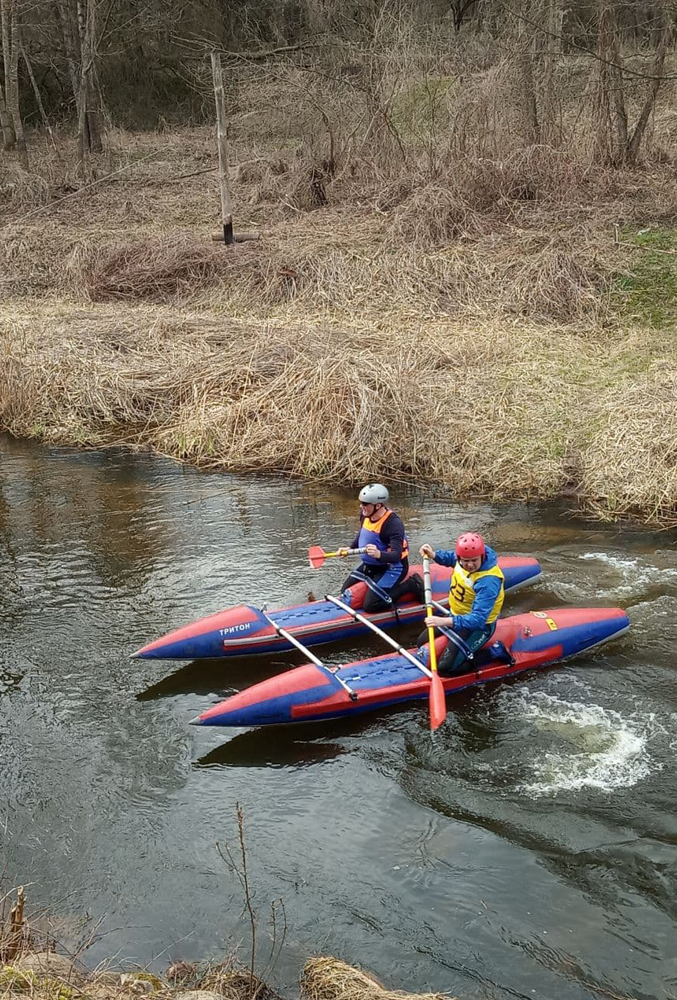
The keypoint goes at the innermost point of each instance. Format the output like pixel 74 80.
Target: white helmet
pixel 373 493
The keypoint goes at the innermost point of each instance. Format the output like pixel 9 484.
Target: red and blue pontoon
pixel 246 629
pixel 314 691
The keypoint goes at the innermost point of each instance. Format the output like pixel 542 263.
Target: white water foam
pixel 592 747
pixel 636 575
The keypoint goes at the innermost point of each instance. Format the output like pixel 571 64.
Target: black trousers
pixel 372 602
pixel 453 660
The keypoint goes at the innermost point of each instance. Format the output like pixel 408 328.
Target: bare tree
pixel 89 130
pixel 616 142
pixel 36 91
pixel 552 15
pixel 665 40
pixel 526 42
pixel 460 9
pixel 11 44
pixel 8 137
pixel 67 17
pixel 89 89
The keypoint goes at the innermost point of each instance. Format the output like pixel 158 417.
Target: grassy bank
pixel 52 976
pixel 32 968
pixel 478 327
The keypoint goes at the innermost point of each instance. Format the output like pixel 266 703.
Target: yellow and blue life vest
pixel 462 591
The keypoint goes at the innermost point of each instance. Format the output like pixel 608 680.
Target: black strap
pixel 457 641
pixel 375 589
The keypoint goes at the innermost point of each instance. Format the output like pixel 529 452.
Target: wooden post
pixel 226 211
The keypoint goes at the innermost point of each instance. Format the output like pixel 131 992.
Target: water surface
pixel 528 848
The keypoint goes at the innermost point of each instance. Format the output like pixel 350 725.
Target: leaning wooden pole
pixel 226 211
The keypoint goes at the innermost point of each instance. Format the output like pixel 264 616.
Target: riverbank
pixel 31 966
pixel 482 331
pixel 48 975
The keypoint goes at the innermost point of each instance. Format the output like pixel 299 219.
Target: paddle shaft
pixel 317 555
pixel 438 708
pixel 383 635
pixel 427 592
pixel 448 632
pixel 347 552
pixel 311 656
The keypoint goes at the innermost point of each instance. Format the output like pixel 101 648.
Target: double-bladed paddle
pixel 317 555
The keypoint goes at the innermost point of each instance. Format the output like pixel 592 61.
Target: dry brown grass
pixel 50 976
pixel 530 235
pixel 493 410
pixel 155 268
pixel 634 440
pixel 327 978
pixel 560 272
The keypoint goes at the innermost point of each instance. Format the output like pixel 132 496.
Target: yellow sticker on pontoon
pixel 550 623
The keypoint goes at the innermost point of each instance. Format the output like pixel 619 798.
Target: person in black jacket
pixel 386 560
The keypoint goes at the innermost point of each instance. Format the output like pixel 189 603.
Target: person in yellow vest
pixel 386 560
pixel 476 596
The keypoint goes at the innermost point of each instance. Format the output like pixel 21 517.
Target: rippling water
pixel 528 848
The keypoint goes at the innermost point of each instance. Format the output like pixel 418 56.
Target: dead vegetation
pixel 432 296
pixel 31 969
pixel 327 978
pixel 557 411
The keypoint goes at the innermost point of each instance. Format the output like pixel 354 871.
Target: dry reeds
pixel 327 978
pixel 631 467
pixel 500 411
pixel 154 268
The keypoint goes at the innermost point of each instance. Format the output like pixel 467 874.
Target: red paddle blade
pixel 438 706
pixel 315 556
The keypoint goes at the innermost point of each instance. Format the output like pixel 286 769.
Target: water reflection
pixel 205 677
pixel 269 748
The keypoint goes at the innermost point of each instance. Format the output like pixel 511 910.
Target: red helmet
pixel 470 546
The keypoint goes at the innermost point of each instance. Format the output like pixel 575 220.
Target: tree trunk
pixel 89 121
pixel 550 116
pixel 9 135
pixel 14 108
pixel 36 90
pixel 650 102
pixel 9 15
pixel 612 118
pixel 89 92
pixel 69 31
pixel 226 210
pixel 527 83
pixel 83 133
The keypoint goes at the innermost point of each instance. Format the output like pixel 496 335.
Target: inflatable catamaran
pixel 315 691
pixel 246 629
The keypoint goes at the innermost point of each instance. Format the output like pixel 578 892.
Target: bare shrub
pixel 154 268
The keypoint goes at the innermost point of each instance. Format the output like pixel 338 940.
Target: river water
pixel 528 848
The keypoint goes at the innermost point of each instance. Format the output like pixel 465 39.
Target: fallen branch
pixel 640 246
pixel 240 238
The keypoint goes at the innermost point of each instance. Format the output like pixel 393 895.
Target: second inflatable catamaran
pixel 315 692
